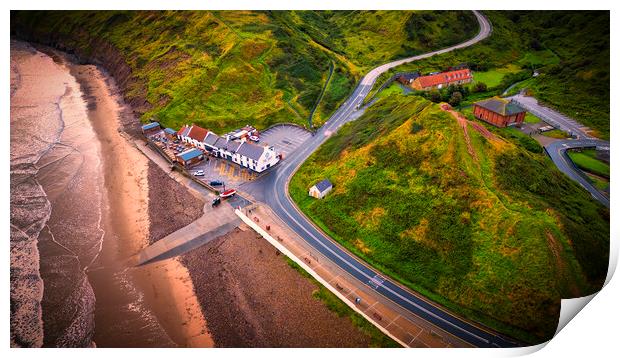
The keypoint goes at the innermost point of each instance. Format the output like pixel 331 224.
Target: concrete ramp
pixel 214 223
pixel 175 245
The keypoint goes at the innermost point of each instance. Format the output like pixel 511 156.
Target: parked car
pixel 199 173
pixel 216 202
pixel 216 183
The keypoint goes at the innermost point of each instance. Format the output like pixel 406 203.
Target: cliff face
pixel 225 69
pixel 95 50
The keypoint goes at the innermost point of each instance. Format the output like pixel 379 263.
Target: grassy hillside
pixel 223 69
pixel 570 50
pixel 499 235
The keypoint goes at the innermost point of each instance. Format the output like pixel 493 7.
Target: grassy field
pixel 586 160
pixel 599 182
pixel 530 118
pixel 556 133
pixel 377 338
pixel 493 78
pixel 569 49
pixel 536 59
pixel 499 238
pixel 225 69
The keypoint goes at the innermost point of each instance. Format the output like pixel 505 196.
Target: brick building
pixel 499 112
pixel 442 80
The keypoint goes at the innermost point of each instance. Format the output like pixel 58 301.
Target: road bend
pixel 557 153
pixel 557 150
pixel 276 190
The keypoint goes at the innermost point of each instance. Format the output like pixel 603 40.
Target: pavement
pixel 215 222
pixel 557 152
pixel 285 138
pixel 552 117
pixel 387 291
pixel 231 174
pixel 400 324
pixel 556 149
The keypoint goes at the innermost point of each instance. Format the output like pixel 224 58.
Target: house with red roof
pixel 193 135
pixel 442 80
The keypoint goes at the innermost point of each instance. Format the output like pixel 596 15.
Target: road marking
pixel 337 120
pixel 386 288
pixel 376 281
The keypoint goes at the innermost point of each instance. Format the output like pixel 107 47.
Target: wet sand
pixel 165 288
pixel 54 176
pixel 251 297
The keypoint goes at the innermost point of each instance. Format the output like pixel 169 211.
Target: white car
pixel 199 173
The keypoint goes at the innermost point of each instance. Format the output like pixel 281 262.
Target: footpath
pixel 402 326
pixel 214 222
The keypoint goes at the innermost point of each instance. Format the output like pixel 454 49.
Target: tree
pixel 435 96
pixel 455 99
pixel 480 87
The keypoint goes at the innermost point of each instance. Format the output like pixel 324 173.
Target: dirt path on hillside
pixel 464 122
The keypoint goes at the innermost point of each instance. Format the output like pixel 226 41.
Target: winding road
pixel 275 189
pixel 557 150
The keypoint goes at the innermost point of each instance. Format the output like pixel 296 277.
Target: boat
pixel 228 193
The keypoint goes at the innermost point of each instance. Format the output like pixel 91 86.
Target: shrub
pixel 455 99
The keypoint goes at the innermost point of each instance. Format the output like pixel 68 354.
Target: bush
pixel 455 99
pixel 480 87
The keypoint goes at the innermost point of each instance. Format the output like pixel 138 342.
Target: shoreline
pixel 165 304
pixel 127 181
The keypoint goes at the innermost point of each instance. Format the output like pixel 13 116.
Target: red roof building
pixel 193 135
pixel 442 80
pixel 197 133
pixel 499 112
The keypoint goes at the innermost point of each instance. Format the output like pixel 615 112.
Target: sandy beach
pixel 130 180
pixel 233 292
pixel 251 297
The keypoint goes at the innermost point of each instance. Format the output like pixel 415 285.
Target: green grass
pixel 471 234
pixel 530 118
pixel 569 49
pixel 392 89
pixel 586 160
pixel 494 77
pixel 225 69
pixel 556 133
pixel 536 59
pixel 334 304
pixel 600 183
